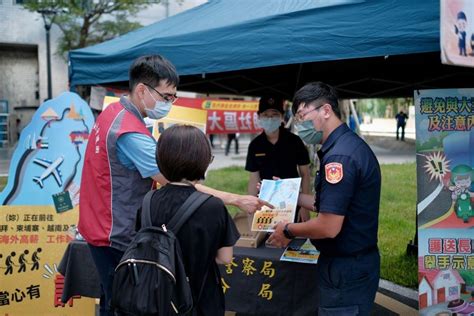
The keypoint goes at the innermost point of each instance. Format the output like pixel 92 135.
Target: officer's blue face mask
pixel 308 133
pixel 270 125
pixel 160 110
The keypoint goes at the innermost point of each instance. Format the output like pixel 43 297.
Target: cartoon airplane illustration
pixel 51 168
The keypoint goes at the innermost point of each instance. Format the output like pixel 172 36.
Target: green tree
pixel 88 22
pixel 377 107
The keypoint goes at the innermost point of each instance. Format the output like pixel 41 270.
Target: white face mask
pixel 160 110
pixel 270 124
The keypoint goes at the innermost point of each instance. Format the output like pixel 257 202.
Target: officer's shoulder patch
pixel 334 172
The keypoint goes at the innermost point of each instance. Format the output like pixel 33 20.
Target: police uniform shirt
pixel 280 159
pixel 348 184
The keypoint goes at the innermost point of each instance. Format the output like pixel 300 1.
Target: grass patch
pixel 231 179
pixel 3 182
pixel 396 222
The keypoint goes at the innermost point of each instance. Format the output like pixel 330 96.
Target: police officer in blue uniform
pixel 347 199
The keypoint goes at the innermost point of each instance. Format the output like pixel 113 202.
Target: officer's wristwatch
pixel 287 232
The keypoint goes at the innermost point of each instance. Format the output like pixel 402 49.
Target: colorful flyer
pixel 283 195
pixel 302 251
pixel 445 161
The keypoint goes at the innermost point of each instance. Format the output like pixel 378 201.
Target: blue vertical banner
pixel 445 175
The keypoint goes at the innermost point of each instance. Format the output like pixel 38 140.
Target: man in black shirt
pixel 276 152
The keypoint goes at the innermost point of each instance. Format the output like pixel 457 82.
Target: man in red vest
pixel 120 167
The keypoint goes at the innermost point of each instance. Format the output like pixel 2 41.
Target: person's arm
pixel 305 189
pixel 254 179
pixel 303 163
pixel 160 179
pixel 246 203
pixel 137 152
pixel 306 201
pixel 326 225
pixel 224 255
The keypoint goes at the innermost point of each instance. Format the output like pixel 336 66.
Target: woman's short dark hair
pixel 316 91
pixel 183 152
pixel 151 69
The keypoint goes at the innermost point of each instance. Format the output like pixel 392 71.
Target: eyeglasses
pixel 167 97
pixel 212 159
pixel 299 117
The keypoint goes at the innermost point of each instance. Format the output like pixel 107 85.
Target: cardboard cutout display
pixel 40 209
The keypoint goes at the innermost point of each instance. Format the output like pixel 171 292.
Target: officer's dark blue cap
pixel 461 16
pixel 270 102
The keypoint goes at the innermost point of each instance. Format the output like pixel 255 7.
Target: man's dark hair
pixel 183 152
pixel 317 91
pixel 151 69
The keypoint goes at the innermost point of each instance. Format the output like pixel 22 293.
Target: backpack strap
pixel 146 210
pixel 192 203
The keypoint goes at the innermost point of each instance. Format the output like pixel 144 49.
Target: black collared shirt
pixel 348 184
pixel 277 160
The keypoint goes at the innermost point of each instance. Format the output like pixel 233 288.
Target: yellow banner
pixel 181 115
pixel 108 100
pixel 177 115
pixel 32 243
pixel 230 105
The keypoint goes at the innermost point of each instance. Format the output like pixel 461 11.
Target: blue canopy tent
pixel 364 48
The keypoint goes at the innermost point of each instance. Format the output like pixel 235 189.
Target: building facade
pixel 23 59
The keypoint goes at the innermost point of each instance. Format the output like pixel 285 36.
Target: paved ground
pixel 386 148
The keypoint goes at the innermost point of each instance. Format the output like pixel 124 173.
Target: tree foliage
pixel 378 107
pixel 88 22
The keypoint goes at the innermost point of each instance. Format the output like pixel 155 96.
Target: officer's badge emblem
pixel 334 172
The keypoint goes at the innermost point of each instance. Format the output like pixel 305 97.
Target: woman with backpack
pixel 183 155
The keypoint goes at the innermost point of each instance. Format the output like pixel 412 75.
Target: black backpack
pixel 150 278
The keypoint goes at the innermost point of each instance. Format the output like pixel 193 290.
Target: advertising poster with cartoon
pixel 40 209
pixel 457 32
pixel 445 164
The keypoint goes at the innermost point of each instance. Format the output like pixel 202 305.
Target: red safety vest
pixel 111 193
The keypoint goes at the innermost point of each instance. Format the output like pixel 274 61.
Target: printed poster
pixel 221 116
pixel 283 195
pixel 180 115
pixel 177 115
pixel 457 32
pixel 40 209
pixel 445 161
